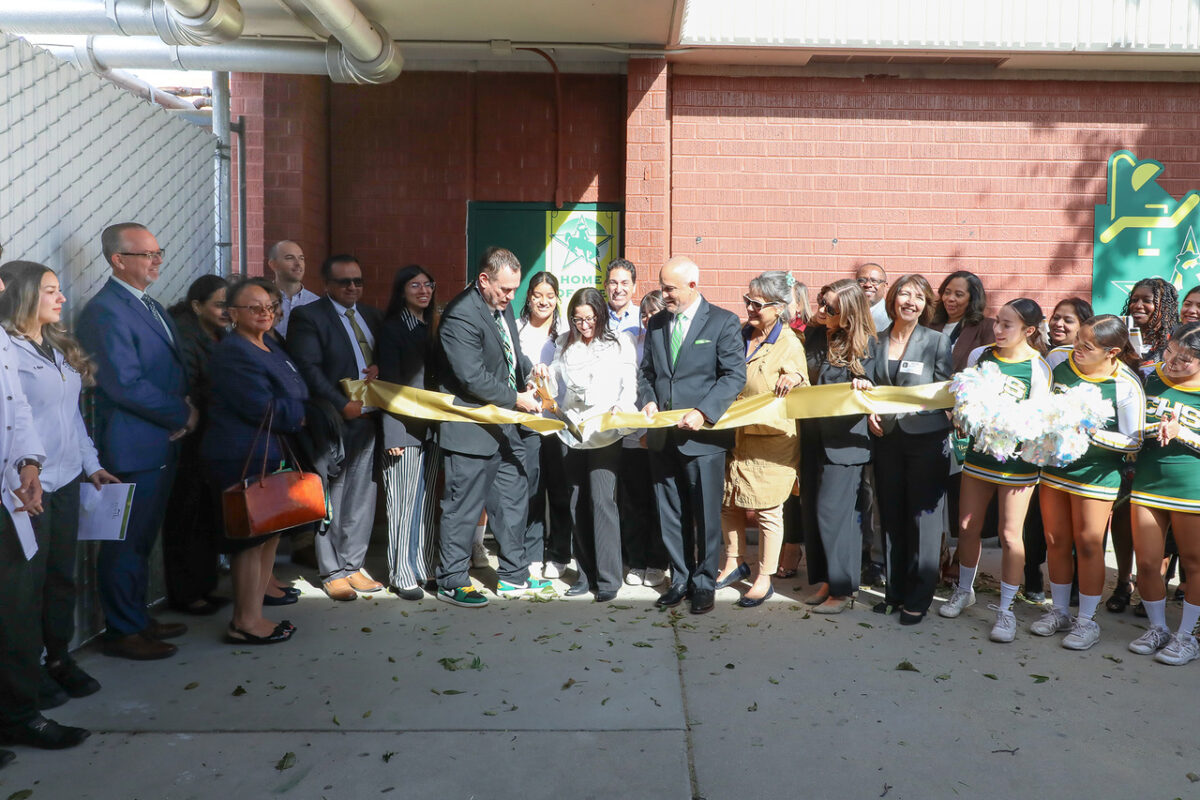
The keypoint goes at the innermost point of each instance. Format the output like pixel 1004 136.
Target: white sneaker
pixel 535 569
pixel 1150 642
pixel 1052 622
pixel 479 556
pixel 654 577
pixel 1182 648
pixel 1084 633
pixel 553 569
pixel 635 577
pixel 1005 629
pixel 959 600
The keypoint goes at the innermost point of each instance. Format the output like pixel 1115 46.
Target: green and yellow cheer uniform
pixel 1169 477
pixel 1023 379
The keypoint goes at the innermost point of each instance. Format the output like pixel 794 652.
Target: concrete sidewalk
pixel 572 699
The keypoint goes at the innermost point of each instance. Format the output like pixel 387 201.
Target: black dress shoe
pixel 285 600
pixel 886 607
pixel 67 674
pixel 911 617
pixel 673 597
pixel 291 591
pixel 50 694
pixel 43 733
pixel 415 593
pixel 742 573
pixel 578 589
pixel 605 597
pixel 755 602
pixel 6 758
pixel 703 601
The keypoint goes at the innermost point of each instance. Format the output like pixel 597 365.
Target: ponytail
pixel 1031 316
pixel 1111 332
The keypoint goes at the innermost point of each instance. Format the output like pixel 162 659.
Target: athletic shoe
pixel 1182 648
pixel 509 590
pixel 1005 629
pixel 960 599
pixel 1084 633
pixel 654 577
pixel 1052 622
pixel 635 577
pixel 540 586
pixel 553 569
pixel 479 556
pixel 1150 642
pixel 465 596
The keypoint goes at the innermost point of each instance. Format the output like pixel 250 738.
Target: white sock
pixel 1008 593
pixel 1060 594
pixel 1156 612
pixel 1187 623
pixel 1087 605
pixel 966 577
pixel 480 530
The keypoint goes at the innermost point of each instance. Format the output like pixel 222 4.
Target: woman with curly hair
pixel 1154 306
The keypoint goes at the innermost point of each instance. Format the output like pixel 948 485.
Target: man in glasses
pixel 285 259
pixel 330 340
pixel 874 284
pixel 142 411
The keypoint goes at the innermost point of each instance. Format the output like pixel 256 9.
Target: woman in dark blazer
pixel 251 373
pixel 959 315
pixel 411 457
pixel 847 445
pixel 912 453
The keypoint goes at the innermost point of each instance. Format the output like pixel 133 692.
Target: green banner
pixel 1142 232
pixel 579 245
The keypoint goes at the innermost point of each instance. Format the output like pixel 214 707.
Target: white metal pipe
pixel 347 24
pixel 179 22
pixel 191 8
pixel 107 52
pixel 222 196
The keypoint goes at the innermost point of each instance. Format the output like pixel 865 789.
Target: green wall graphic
pixel 1142 232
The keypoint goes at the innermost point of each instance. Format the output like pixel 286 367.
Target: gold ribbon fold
pixel 803 402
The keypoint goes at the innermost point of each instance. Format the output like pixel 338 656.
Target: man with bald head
pixel 874 284
pixel 694 359
pixel 285 259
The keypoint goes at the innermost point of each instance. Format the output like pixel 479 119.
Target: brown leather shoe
pixel 362 582
pixel 164 630
pixel 340 589
pixel 137 647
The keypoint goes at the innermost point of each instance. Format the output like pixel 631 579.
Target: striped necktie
pixel 509 358
pixel 677 337
pixel 154 311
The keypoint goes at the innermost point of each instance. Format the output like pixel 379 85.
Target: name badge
pixel 912 367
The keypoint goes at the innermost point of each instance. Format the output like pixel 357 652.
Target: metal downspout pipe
pixel 358 50
pixel 222 196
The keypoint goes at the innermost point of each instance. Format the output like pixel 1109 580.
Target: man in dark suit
pixel 333 339
pixel 480 362
pixel 694 358
pixel 142 410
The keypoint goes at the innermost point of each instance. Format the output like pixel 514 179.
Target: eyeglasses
pixel 151 254
pixel 1178 357
pixel 827 305
pixel 346 283
pixel 259 310
pixel 416 286
pixel 757 305
pixel 870 281
pixel 582 321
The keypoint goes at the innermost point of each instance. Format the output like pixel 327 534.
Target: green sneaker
pixel 510 590
pixel 540 586
pixel 465 596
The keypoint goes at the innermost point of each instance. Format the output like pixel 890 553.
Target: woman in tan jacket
pixel 762 468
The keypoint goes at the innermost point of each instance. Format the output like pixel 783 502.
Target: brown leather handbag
pixel 272 502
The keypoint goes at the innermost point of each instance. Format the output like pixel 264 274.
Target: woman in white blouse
pixel 594 371
pixel 53 370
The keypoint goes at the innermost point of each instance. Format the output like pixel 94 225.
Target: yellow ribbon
pixel 803 402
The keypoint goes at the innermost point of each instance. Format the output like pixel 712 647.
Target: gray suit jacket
pixel 471 366
pixel 926 359
pixel 708 376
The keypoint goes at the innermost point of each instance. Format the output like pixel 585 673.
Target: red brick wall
pixel 409 155
pixel 647 168
pixel 819 174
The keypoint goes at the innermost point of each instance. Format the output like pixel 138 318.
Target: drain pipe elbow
pixel 344 67
pixel 217 22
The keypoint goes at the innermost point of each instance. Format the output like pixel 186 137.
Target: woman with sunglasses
pixel 251 374
pixel 761 470
pixel 846 443
pixel 594 371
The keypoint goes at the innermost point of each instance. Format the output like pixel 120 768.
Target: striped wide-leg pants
pixel 410 486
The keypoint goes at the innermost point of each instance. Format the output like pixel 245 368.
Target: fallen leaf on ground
pixel 287 762
pixel 906 666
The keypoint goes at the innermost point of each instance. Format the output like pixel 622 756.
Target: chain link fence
pixel 76 155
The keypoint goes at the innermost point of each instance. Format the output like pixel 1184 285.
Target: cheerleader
pixel 1018 353
pixel 1076 499
pixel 1166 491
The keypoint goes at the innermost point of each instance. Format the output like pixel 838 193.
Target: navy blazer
pixel 404 359
pixel 141 381
pixel 709 375
pixel 246 382
pixel 321 348
pixel 927 356
pixel 469 355
pixel 846 439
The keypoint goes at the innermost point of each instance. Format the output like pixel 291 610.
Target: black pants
pixel 558 499
pixel 688 492
pixel 641 539
pixel 192 531
pixel 598 551
pixel 812 455
pixel 837 519
pixel 535 519
pixel 911 473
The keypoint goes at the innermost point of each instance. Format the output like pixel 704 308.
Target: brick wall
pixel 818 174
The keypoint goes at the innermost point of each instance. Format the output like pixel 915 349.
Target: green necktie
pixel 677 337
pixel 363 344
pixel 509 358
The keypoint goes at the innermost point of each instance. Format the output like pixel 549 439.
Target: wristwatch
pixel 25 462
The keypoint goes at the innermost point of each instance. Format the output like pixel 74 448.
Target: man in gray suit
pixel 480 362
pixel 694 358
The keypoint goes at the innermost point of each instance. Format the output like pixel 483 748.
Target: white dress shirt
pixel 591 379
pixel 301 298
pixel 358 354
pixel 880 315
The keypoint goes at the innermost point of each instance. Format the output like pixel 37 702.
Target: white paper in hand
pixel 104 512
pixel 22 523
